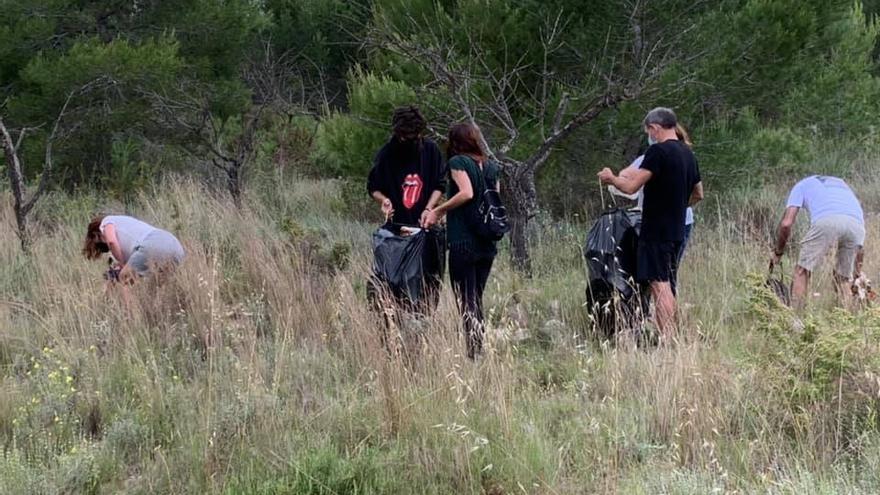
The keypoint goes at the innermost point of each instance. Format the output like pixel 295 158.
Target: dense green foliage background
pixel 763 84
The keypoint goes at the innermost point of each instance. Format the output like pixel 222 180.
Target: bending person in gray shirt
pixel 137 246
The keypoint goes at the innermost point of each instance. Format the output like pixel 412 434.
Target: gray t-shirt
pixel 129 231
pixel 823 196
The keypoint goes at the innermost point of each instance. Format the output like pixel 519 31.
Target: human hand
pixel 127 275
pixel 606 176
pixel 430 218
pixel 775 259
pixel 387 208
pixel 112 274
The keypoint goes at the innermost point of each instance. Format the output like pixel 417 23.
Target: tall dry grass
pixel 258 368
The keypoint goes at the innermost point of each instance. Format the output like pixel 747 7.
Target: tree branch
pixel 13 166
pixel 45 174
pixel 435 62
pixel 586 115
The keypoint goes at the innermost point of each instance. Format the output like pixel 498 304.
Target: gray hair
pixel 664 117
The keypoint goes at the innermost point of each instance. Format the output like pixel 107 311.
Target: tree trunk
pixel 23 235
pixel 519 241
pixel 233 182
pixel 521 198
pixel 16 184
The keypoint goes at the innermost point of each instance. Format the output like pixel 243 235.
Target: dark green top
pixel 459 234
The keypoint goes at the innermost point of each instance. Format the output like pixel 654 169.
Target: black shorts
pixel 657 261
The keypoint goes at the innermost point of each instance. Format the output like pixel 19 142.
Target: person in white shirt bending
pixel 137 246
pixel 836 221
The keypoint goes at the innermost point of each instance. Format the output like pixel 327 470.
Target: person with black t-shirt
pixel 408 177
pixel 671 178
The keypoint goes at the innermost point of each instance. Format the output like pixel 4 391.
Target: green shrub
pixel 126 439
pixel 742 151
pixel 324 471
pixel 347 142
pixel 822 369
pixel 48 422
pixel 130 174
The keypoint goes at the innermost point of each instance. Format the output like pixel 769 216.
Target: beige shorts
pixel 843 232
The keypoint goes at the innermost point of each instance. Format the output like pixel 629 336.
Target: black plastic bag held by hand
pixel 778 286
pixel 615 300
pixel 610 250
pixel 397 262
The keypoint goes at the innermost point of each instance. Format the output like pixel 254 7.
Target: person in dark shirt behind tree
pixel 408 177
pixel 671 177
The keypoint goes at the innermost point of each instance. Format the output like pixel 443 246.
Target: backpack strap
pixel 481 173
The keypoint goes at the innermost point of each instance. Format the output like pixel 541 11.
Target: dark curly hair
pixel 408 123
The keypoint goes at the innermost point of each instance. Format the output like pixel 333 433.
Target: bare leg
pixel 850 257
pixel 843 288
pixel 860 259
pixel 664 308
pixel 799 286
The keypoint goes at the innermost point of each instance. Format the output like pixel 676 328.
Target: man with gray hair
pixel 671 180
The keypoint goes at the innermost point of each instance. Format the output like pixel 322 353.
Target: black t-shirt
pixel 408 173
pixel 674 173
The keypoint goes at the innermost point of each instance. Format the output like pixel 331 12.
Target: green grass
pixel 258 368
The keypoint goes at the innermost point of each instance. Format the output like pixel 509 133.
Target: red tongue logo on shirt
pixel 412 190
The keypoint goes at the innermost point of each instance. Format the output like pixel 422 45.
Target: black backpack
pixel 490 216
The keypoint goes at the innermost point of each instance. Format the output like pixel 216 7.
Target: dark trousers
pixel 469 274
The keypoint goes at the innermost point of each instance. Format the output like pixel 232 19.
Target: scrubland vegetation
pixel 247 129
pixel 258 367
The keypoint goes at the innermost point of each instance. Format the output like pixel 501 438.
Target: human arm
pixel 377 188
pixel 792 207
pixel 635 165
pixel 441 170
pixel 633 178
pixel 127 275
pixel 784 233
pixel 696 194
pixel 629 181
pixel 697 191
pixel 109 234
pixel 441 174
pixel 384 203
pixel 465 193
pixel 435 198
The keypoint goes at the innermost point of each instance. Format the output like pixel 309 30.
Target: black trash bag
pixel 408 268
pixel 610 250
pixel 613 297
pixel 779 287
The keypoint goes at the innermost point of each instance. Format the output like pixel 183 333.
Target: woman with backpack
pixel 471 233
